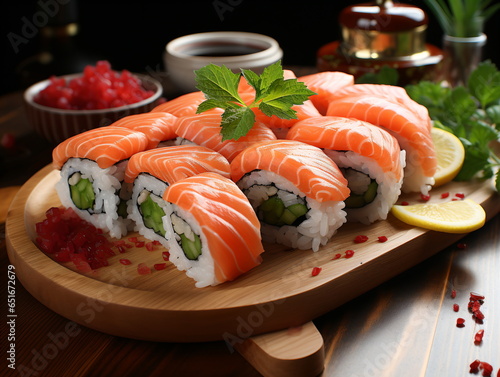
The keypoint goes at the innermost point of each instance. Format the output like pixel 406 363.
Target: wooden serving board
pixel 253 314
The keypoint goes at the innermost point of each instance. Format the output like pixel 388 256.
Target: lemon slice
pixel 450 155
pixel 462 216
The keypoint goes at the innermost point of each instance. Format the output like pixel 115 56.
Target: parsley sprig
pixel 472 113
pixel 274 95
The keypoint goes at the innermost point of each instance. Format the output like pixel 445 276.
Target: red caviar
pixel 456 308
pixel 460 322
pixel 99 87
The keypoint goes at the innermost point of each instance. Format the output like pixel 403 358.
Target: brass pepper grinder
pixel 382 33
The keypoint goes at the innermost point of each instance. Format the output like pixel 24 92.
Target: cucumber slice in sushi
pixel 81 191
pixel 273 212
pixel 363 188
pixel 189 241
pixel 151 213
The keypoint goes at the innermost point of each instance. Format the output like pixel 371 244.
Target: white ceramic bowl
pixel 56 125
pixel 235 50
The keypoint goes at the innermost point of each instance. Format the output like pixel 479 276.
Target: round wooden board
pixel 166 306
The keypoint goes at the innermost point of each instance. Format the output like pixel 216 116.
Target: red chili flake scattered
pixel 120 248
pixel 160 266
pixel 150 246
pixel 315 271
pixel 125 261
pixel 444 195
pixel 453 293
pixel 360 239
pixel 140 244
pixel 475 296
pixel 478 338
pixel 166 255
pixel 460 195
pixel 349 253
pixel 133 239
pixel 462 245
pixel 460 322
pixel 478 315
pixel 425 198
pixel 455 200
pixel 404 203
pixel 487 368
pixel 142 269
pixel 456 308
pixel 156 242
pixel 382 239
pixel 474 366
pixel 337 256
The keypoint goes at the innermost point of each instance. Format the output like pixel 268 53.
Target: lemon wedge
pixel 450 155
pixel 462 216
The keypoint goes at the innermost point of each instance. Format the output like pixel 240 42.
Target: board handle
pixel 298 351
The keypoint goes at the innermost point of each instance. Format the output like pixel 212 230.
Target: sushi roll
pixel 205 130
pixel 405 125
pixel 369 157
pixel 150 172
pixel 158 127
pixel 297 191
pixel 92 166
pixel 213 233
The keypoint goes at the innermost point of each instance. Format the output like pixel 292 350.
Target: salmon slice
pixel 106 146
pixel 226 219
pixel 173 163
pixel 305 166
pixel 404 125
pixel 186 104
pixel 158 126
pixel 391 92
pixel 344 134
pixel 205 130
pixel 326 84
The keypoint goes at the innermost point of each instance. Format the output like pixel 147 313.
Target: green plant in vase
pixel 463 23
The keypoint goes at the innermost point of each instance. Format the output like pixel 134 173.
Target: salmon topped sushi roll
pixel 152 171
pixel 326 84
pixel 212 230
pixel 158 127
pixel 186 104
pixel 297 191
pixel 205 130
pixel 92 168
pixel 411 133
pixel 369 157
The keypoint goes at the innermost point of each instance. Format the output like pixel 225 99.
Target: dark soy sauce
pixel 224 49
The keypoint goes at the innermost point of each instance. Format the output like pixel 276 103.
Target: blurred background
pixel 133 36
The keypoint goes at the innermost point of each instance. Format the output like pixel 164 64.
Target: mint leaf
pixel 210 104
pixel 236 122
pixel 218 82
pixel 484 83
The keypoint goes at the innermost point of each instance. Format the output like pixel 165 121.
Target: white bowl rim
pixel 30 92
pixel 173 45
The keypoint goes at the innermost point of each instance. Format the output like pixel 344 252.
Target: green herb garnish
pixel 472 113
pixel 273 96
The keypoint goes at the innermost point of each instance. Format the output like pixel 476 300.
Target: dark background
pixel 133 36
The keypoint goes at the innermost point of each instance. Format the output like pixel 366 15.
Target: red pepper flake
pixel 140 244
pixel 337 256
pixel 166 255
pixel 455 200
pixel 460 195
pixel 456 308
pixel 475 296
pixel 404 203
pixel 150 246
pixel 315 271
pixel 444 195
pixel 460 322
pixel 156 243
pixel 474 366
pixel 360 239
pixel 349 253
pixel 453 293
pixel 487 368
pixel 462 245
pixel 425 198
pixel 478 338
pixel 120 248
pixel 142 269
pixel 478 315
pixel 125 261
pixel 382 239
pixel 160 266
pixel 133 239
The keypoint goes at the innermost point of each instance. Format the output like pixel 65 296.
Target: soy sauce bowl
pixel 235 50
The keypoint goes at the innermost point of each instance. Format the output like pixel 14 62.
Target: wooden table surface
pixel 404 327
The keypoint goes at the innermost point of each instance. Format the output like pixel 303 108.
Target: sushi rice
pixel 321 220
pixel 108 191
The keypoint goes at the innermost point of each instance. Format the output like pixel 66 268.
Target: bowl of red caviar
pixel 60 107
